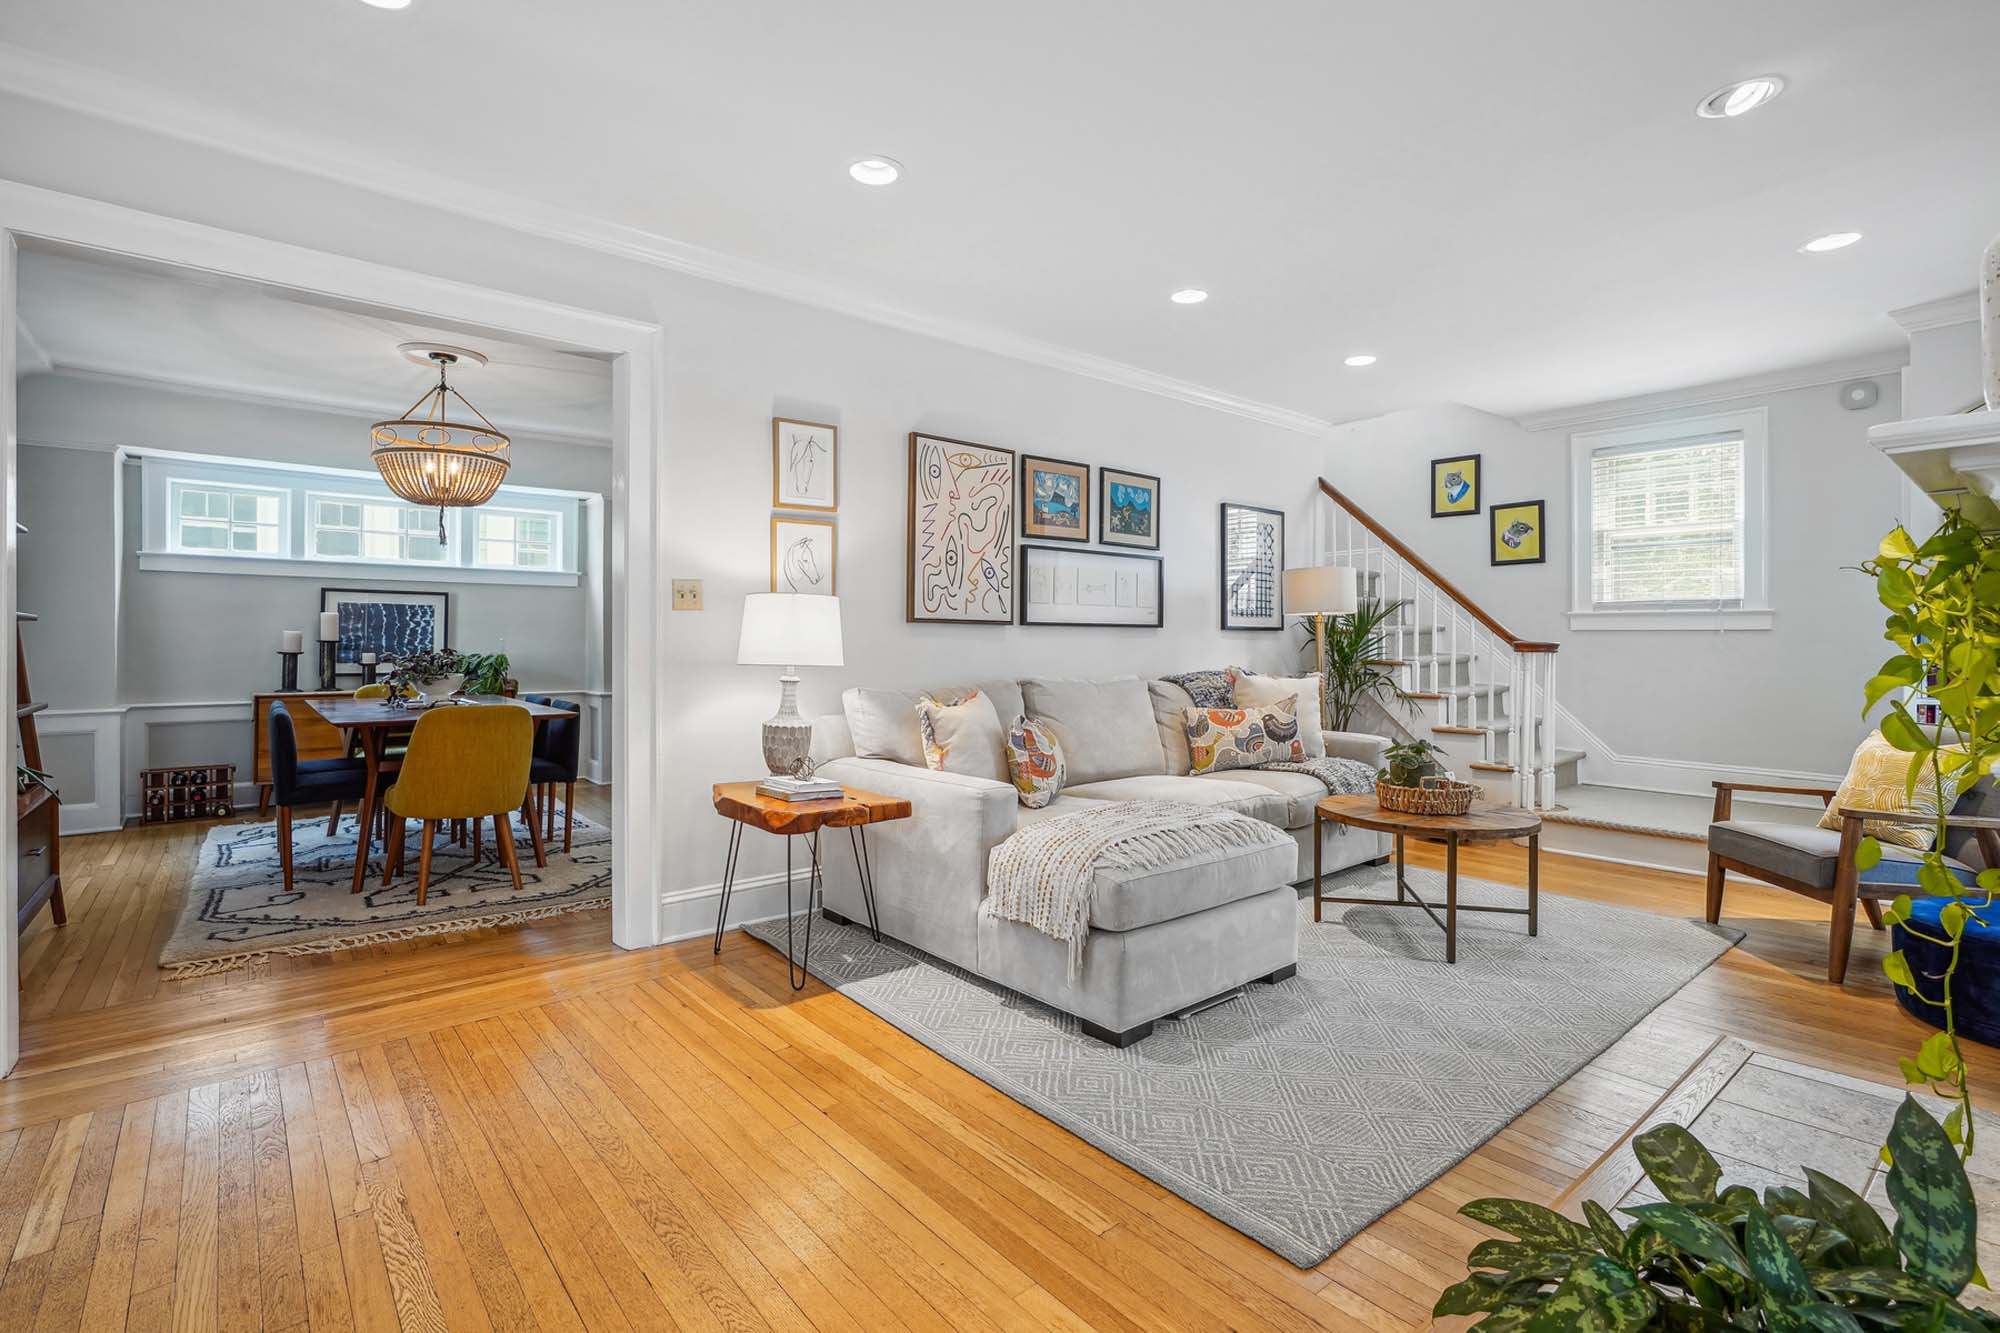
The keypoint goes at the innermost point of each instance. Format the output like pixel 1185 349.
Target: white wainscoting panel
pixel 105 726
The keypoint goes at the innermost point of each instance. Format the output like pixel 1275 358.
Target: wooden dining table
pixel 371 721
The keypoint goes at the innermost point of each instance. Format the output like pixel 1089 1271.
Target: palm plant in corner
pixel 1352 660
pixel 1821 1260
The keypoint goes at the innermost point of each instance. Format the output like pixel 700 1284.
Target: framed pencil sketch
pixel 961 534
pixel 1454 486
pixel 1253 564
pixel 802 555
pixel 1128 509
pixel 1097 588
pixel 1055 499
pixel 805 465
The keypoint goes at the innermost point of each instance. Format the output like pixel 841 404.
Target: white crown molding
pixel 1961 308
pixel 330 404
pixel 93 92
pixel 30 357
pixel 1718 391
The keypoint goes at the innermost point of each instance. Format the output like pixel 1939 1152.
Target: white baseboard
pixel 1604 766
pixel 689 913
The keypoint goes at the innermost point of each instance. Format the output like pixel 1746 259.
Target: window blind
pixel 1667 524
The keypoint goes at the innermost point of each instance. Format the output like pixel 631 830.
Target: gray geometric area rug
pixel 1299 1113
pixel 237 909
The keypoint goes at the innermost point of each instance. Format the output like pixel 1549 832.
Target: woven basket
pixel 1437 796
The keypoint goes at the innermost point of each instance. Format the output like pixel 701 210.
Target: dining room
pixel 320 662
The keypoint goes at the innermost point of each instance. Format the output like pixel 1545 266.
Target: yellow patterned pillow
pixel 1878 778
pixel 1224 738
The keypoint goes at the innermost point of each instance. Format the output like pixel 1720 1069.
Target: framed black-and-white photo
pixel 386 623
pixel 1253 565
pixel 803 551
pixel 805 465
pixel 1097 588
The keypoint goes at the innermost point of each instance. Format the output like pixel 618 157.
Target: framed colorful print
pixel 1099 588
pixel 386 623
pixel 1253 564
pixel 802 555
pixel 1520 535
pixel 805 465
pixel 961 534
pixel 1128 508
pixel 1454 486
pixel 1055 499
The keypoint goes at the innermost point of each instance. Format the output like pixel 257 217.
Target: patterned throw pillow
pixel 1224 738
pixel 1878 778
pixel 962 735
pixel 1035 762
pixel 1208 689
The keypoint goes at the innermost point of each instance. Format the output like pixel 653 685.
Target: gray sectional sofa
pixel 1161 942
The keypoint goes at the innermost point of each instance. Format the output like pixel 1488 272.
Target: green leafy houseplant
pixel 409 673
pixel 1819 1261
pixel 485 673
pixel 1352 654
pixel 1410 763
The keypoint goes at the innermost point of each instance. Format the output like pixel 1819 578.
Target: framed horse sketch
pixel 961 534
pixel 802 555
pixel 805 465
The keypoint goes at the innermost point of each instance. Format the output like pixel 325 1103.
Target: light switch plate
pixel 687 594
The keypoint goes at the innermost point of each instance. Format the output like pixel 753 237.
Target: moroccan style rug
pixel 237 909
pixel 1299 1113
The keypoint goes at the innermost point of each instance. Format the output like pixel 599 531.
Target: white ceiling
pixel 1512 204
pixel 112 318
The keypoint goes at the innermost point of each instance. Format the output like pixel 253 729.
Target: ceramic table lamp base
pixel 787 735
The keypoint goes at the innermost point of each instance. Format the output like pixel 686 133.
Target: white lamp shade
pixel 790 629
pixel 1320 590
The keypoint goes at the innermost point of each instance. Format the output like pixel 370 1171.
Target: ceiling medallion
pixel 429 459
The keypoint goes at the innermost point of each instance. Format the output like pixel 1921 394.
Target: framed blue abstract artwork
pixel 1128 511
pixel 386 623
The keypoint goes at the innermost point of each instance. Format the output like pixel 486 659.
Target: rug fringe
pixel 207 967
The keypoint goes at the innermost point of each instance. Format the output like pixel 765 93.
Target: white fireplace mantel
pixel 1956 459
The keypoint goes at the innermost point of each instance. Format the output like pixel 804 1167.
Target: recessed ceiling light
pixel 1189 296
pixel 387 4
pixel 876 170
pixel 1359 359
pixel 1740 98
pixel 1835 240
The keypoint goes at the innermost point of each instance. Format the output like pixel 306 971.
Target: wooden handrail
pixel 1423 567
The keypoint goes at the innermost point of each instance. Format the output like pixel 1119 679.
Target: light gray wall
pixel 68 564
pixel 1784 698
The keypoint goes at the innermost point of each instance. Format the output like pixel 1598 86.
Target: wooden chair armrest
pixel 1912 817
pixel 1824 793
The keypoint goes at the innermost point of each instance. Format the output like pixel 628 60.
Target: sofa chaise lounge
pixel 1162 941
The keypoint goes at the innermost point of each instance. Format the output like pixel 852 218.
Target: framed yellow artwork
pixel 1454 486
pixel 1520 534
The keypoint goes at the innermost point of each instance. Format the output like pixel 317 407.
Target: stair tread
pixel 1419 694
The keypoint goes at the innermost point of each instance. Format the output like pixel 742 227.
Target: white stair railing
pixel 1487 681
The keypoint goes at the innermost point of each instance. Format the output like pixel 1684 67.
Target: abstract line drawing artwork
pixel 961 534
pixel 1069 587
pixel 805 465
pixel 802 556
pixel 1253 558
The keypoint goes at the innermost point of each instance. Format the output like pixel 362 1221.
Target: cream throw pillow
pixel 1878 778
pixel 963 735
pixel 1254 691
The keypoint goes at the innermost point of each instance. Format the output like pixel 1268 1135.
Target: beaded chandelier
pixel 429 459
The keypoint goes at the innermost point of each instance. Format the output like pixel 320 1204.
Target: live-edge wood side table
pixel 1482 823
pixel 853 810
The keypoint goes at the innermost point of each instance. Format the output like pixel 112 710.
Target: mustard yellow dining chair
pixel 465 762
pixel 373 690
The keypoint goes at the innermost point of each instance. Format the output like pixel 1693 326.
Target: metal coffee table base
pixel 1448 923
pixel 796 958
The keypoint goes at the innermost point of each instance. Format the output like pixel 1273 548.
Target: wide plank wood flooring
pixel 529 1128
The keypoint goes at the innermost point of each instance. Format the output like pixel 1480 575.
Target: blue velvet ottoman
pixel 1975 988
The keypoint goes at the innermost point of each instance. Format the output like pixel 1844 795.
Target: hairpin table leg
pixel 857 838
pixel 728 881
pixel 795 966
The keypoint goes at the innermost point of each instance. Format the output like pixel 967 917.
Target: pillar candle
pixel 292 641
pixel 329 625
pixel 367 659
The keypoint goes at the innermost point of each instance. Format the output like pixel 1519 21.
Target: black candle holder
pixel 328 652
pixel 288 672
pixel 369 670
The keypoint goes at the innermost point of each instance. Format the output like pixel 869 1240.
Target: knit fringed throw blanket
pixel 1341 777
pixel 1044 876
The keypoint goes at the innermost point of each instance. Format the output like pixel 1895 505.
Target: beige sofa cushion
pixel 962 734
pixel 1245 798
pixel 1299 792
pixel 1129 899
pixel 883 723
pixel 1105 726
pixel 1253 690
pixel 1170 705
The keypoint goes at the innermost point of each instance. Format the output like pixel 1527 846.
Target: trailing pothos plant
pixel 1820 1261
pixel 1814 1261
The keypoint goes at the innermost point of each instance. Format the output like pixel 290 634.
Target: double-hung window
pixel 346 527
pixel 227 520
pixel 511 539
pixel 1669 524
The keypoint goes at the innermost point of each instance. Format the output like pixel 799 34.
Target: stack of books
pixel 799 789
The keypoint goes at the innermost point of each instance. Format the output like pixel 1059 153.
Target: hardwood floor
pixel 529 1128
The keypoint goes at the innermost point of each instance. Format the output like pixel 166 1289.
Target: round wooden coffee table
pixel 1484 822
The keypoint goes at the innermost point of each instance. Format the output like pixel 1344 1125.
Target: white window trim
pixel 171 514
pixel 1754 610
pixel 162 470
pixel 558 534
pixel 454 529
